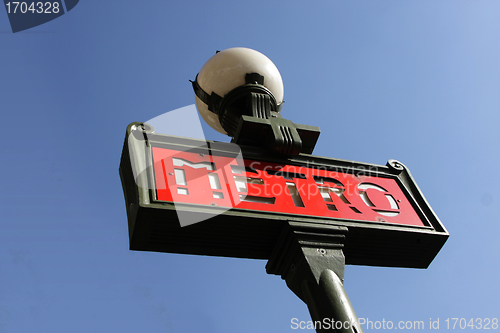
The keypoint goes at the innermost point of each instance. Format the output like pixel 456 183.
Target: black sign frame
pixel 153 224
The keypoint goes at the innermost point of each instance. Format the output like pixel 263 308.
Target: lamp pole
pixel 328 212
pixel 308 257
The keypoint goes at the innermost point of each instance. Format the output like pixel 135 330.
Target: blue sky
pixel 417 81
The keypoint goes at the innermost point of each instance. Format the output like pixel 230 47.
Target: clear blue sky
pixel 417 81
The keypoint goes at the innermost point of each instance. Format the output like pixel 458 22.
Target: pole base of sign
pixel 310 259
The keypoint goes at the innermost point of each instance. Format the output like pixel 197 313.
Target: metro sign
pixel 187 177
pixel 240 204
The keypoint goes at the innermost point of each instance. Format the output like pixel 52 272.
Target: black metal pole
pixel 309 258
pixel 329 305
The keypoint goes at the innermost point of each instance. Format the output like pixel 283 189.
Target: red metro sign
pixel 209 198
pixel 208 179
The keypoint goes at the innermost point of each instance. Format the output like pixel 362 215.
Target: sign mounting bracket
pixel 310 258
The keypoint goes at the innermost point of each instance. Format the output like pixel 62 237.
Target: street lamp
pixel 239 92
pixel 307 215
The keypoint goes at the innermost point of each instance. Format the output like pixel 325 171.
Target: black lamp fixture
pixel 239 92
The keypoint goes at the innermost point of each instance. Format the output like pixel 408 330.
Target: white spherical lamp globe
pixel 227 69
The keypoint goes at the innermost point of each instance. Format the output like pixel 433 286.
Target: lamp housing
pixel 239 92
